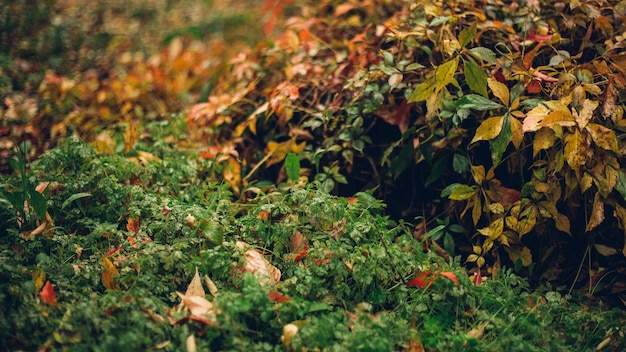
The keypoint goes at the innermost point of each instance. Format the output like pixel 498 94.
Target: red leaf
pixel 424 279
pixel 112 250
pixel 499 76
pixel 478 278
pixel 47 294
pixel 277 297
pixel 533 87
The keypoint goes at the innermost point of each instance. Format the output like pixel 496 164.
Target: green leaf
pixel 437 171
pixel 477 102
pixel 74 197
pixel 424 90
pixel 467 34
pixel 484 54
pixel 620 186
pixel 499 144
pixel 460 164
pixel 38 202
pixel 475 77
pixel 445 73
pixel 292 166
pixel 436 233
pixel 461 192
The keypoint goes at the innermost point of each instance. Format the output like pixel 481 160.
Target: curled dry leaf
pixel 211 285
pixel 256 264
pixel 199 307
pixel 297 242
pixel 289 331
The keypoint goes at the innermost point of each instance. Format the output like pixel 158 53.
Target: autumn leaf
pixel 586 112
pixel 232 174
pixel 108 274
pixel 445 73
pixel 500 90
pixel 200 307
pixel 597 213
pixel 47 294
pixel 424 90
pixel 256 264
pixel 488 129
pixel 604 137
pixel 195 286
pixel 576 150
pixel 38 279
pixel 277 297
pixel 131 136
pixel 422 280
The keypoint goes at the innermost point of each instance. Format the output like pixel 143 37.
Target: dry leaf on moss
pixel 256 264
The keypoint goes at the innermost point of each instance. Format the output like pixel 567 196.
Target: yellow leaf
pixel 517 132
pixel 423 90
pixel 496 228
pixel 478 172
pixel 278 151
pixel 575 150
pixel 131 136
pixel 445 73
pixel 544 139
pixel 500 90
pixel 232 174
pixel 477 211
pixel 488 129
pixel 586 112
pixel 562 118
pixel 39 276
pixel 604 137
pixel 108 274
pixel 524 255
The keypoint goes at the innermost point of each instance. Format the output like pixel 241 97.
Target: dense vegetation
pixel 467 145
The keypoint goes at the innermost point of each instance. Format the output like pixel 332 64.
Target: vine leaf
pixel 445 73
pixel 500 90
pixel 489 129
pixel 475 77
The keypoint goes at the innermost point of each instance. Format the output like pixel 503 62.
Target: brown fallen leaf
pixel 256 264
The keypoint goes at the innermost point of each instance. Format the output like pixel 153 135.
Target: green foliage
pixel 522 105
pixel 345 270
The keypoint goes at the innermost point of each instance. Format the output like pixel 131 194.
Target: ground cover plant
pixel 135 254
pixel 295 175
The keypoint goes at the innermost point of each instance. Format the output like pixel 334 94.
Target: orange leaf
pixel 47 294
pixel 132 225
pixel 278 297
pixel 263 215
pixel 450 276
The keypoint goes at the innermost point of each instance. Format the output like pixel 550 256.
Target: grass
pixel 352 290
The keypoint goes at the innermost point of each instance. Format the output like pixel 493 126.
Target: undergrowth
pixel 100 265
